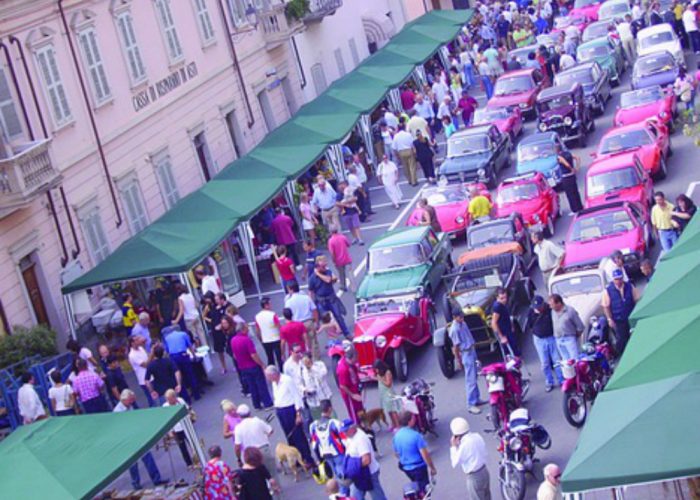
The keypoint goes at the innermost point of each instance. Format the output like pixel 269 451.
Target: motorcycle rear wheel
pixel 495 418
pixel 575 408
pixel 512 481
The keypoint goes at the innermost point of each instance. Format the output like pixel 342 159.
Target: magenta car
pixel 596 232
pixel 586 8
pixel 517 89
pixel 451 204
pixel 637 106
pixel 579 21
pixel 508 122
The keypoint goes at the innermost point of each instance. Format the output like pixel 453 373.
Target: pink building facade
pixel 111 111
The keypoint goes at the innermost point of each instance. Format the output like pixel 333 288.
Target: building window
pixel 237 10
pixel 93 63
pixel 56 93
pixel 266 107
pixel 234 131
pixel 10 125
pixel 319 78
pixel 164 171
pixel 353 52
pixel 288 92
pixel 132 53
pixel 134 209
pixel 203 155
pixel 167 26
pixel 206 30
pixel 340 62
pixel 94 233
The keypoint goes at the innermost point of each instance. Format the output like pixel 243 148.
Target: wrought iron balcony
pixel 277 27
pixel 318 9
pixel 25 175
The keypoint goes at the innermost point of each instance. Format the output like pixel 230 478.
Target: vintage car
pixel 596 30
pixel 660 38
pixel 562 109
pixel 614 10
pixel 595 81
pixel 531 196
pixel 508 122
pixel 649 140
pixel 476 154
pixel 581 288
pixel 587 8
pixel 451 204
pixel 406 260
pixel 549 40
pixel 657 69
pixel 386 328
pixel 536 154
pixel 561 23
pixel 517 89
pixel 521 54
pixel 596 232
pixel 607 54
pixel 618 178
pixel 650 102
pixel 472 288
pixel 502 230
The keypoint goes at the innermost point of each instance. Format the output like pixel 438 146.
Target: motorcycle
pixel 519 440
pixel 412 492
pixel 417 398
pixel 507 389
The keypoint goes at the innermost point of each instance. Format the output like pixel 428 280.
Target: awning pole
pixel 191 435
pixel 420 77
pixel 394 98
pixel 245 234
pixel 294 208
pixel 444 54
pixel 68 305
pixel 334 153
pixel 364 128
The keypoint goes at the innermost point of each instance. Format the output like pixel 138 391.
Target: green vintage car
pixel 607 54
pixel 406 260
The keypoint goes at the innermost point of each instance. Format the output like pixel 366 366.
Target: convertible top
pixel 509 247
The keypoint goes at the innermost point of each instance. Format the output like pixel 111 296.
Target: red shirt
pixel 338 246
pixel 292 332
pixel 348 376
pixel 285 266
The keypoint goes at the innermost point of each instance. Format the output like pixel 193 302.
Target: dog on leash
pixel 371 417
pixel 289 459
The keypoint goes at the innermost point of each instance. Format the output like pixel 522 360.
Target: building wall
pixel 132 129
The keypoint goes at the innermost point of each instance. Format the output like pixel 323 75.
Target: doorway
pixel 234 131
pixel 204 156
pixel 29 271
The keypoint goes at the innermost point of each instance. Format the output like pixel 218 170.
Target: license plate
pixel 552 181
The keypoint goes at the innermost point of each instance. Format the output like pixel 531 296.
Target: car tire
pixel 491 182
pixel 334 361
pixel 447 308
pixel 582 140
pixel 615 82
pixel 663 169
pixel 550 226
pixel 446 359
pixel 592 127
pixel 669 152
pixel 400 361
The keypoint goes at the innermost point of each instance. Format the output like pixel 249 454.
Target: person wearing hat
pixel 359 446
pixel 468 450
pixel 618 301
pixel 253 432
pixel 463 348
pixel 614 262
pixel 539 319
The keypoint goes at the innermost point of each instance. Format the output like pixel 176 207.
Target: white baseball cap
pixel 459 426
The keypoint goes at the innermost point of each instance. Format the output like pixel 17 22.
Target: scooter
pixel 417 398
pixel 507 388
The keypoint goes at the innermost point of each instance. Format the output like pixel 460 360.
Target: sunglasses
pixel 558 476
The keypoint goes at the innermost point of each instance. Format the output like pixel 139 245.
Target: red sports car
pixel 451 204
pixel 650 102
pixel 517 89
pixel 385 328
pixel 618 178
pixel 508 122
pixel 531 196
pixel 648 139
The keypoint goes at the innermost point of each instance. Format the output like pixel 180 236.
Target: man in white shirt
pixel 208 282
pixel 440 88
pixel 424 108
pixel 691 26
pixel 566 60
pixel 549 255
pixel 358 445
pixel 610 264
pixel 637 12
pixel 445 108
pixel 390 119
pixel 624 30
pixel 30 406
pixel 267 327
pixel 292 367
pixel 403 145
pixel 138 359
pixel 288 406
pixel 468 450
pixel 141 328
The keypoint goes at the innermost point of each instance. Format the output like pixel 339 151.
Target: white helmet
pixel 459 426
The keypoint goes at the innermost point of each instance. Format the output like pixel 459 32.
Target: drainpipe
pixel 299 65
pixel 30 82
pixel 52 206
pixel 236 64
pixel 88 106
pixel 76 243
pixel 13 75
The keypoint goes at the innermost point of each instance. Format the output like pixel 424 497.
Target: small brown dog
pixel 289 459
pixel 374 416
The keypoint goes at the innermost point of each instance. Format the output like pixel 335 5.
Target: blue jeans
pixel 667 238
pixel 549 356
pixel 151 468
pixel 189 379
pixel 335 307
pixel 336 464
pixel 568 347
pixel 255 380
pixel 488 86
pixel 376 493
pixel 470 376
pixel 469 75
pixel 420 476
pixel 145 390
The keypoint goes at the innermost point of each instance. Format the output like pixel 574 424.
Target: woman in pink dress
pixel 231 418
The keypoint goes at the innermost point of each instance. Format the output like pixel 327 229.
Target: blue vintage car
pixel 536 154
pixel 659 68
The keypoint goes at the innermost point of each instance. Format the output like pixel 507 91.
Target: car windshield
pixel 655 39
pixel 589 53
pixel 488 234
pixel 611 181
pixel 531 152
pixel 399 304
pixel 513 85
pixel 578 285
pixel 585 3
pixel 467 145
pixel 595 30
pixel 624 141
pixel 641 97
pixel 483 278
pixel 521 54
pixel 657 63
pixel 511 193
pixel 383 259
pixel 601 225
pixel 437 196
pixel 486 115
pixel 563 22
pixel 570 77
pixel 555 102
pixel 610 9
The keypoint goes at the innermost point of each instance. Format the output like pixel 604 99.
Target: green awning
pixel 200 221
pixel 76 457
pixel 639 434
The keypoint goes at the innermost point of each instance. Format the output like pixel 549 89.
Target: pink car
pixel 531 196
pixel 596 232
pixel 586 8
pixel 649 140
pixel 618 178
pixel 651 102
pixel 579 21
pixel 517 89
pixel 451 203
pixel 508 122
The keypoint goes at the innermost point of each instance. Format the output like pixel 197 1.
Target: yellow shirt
pixel 480 206
pixel 129 318
pixel 661 217
pixel 678 11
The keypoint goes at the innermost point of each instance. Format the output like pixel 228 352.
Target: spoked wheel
pixel 512 481
pixel 401 363
pixel 446 360
pixel 575 408
pixel 495 418
pixel 550 226
pixel 663 169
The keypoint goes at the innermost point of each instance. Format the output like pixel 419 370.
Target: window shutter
pixel 9 120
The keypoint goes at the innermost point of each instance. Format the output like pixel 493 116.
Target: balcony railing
pixel 318 9
pixel 25 175
pixel 277 28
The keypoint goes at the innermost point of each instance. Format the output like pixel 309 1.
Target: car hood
pixel 446 215
pixel 377 324
pixel 593 250
pixel 635 194
pixel 405 279
pixel 561 112
pixel 625 116
pixel 662 79
pixel 590 11
pixel 511 99
pixel 463 163
pixel 480 297
pixel 670 47
pixel 646 155
pixel 544 165
pixel 526 208
pixel 586 305
pixel 501 124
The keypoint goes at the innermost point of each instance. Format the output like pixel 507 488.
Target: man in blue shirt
pixel 179 346
pixel 412 451
pixel 465 356
pixel 501 323
pixel 321 285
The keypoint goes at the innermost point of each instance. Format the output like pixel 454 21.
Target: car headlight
pixel 481 173
pixel 491 378
pixel 459 220
pixel 523 105
pixel 542 126
pixel 663 115
pixel 537 218
pixel 568 121
pixel 380 341
pixel 515 443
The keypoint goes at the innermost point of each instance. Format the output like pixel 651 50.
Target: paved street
pixel 449 394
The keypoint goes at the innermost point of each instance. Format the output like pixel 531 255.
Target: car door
pixel 499 140
pixel 436 250
pixel 646 181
